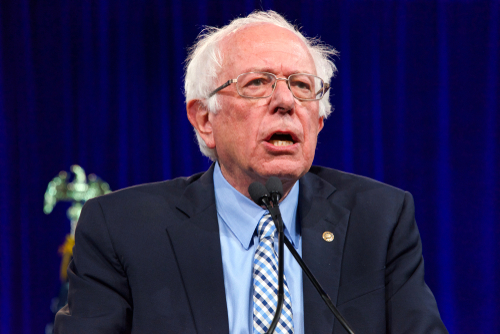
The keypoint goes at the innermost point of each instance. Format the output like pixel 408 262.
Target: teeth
pixel 281 142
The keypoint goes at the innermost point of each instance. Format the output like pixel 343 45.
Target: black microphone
pixel 259 194
pixel 275 188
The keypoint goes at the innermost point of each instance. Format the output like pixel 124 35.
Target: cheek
pixel 312 130
pixel 244 119
pixel 234 126
pixel 311 147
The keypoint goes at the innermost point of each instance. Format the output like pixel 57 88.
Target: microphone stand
pixel 278 222
pixel 275 188
pixel 316 284
pixel 260 195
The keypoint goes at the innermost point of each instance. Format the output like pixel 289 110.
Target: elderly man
pixel 196 255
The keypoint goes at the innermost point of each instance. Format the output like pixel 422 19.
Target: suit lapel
pixel 317 214
pixel 196 244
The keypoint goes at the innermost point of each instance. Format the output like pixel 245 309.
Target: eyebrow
pixel 269 70
pixel 257 69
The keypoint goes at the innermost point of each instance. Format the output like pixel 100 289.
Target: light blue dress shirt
pixel 238 218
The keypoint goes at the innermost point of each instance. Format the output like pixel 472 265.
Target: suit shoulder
pixel 364 195
pixel 353 183
pixel 162 191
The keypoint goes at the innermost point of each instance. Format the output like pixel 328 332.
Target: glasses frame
pixel 325 88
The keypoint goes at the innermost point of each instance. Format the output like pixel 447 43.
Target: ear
pixel 321 124
pixel 199 117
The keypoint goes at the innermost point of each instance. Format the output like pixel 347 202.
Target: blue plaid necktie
pixel 265 283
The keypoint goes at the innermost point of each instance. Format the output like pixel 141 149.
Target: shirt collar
pixel 242 215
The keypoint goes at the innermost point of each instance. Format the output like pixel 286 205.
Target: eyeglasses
pixel 257 85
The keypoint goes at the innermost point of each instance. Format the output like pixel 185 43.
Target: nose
pixel 282 96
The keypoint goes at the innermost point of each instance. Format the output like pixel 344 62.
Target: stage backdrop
pixel 99 83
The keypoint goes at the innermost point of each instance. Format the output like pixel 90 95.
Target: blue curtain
pixel 99 83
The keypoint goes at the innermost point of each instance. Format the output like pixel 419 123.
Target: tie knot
pixel 266 228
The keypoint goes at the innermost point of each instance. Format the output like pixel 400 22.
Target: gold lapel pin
pixel 328 236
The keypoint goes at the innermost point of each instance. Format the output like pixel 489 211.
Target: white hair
pixel 204 63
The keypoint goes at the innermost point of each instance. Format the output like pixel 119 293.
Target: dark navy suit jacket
pixel 147 259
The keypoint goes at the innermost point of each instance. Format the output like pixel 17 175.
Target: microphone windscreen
pixel 257 191
pixel 274 185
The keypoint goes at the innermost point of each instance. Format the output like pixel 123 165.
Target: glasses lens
pixel 306 86
pixel 255 84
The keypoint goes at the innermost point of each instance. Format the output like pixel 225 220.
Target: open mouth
pixel 281 139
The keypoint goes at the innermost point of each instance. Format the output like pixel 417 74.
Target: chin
pixel 285 170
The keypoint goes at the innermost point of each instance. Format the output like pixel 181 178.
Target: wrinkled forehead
pixel 265 47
